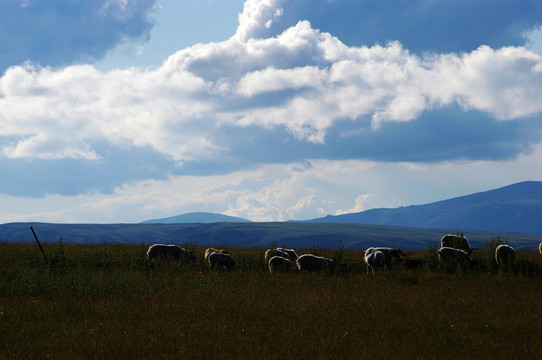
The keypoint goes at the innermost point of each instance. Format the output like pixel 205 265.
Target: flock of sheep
pixel 455 250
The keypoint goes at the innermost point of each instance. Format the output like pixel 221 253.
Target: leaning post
pixel 36 237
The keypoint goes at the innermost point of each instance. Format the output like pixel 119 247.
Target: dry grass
pixel 108 301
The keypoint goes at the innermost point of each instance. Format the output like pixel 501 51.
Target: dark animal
pixel 209 251
pixel 310 262
pixel 221 260
pixel 169 250
pixel 505 256
pixel 275 252
pixel 291 253
pixel 285 253
pixel 453 257
pixel 389 253
pixel 279 263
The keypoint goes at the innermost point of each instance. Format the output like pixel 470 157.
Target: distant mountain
pixel 513 208
pixel 196 218
pixel 251 235
pixel 513 212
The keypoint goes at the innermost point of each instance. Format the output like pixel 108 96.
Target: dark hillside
pixel 296 235
pixel 513 208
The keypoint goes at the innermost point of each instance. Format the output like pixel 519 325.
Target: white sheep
pixel 389 253
pixel 505 255
pixel 454 257
pixel 275 252
pixel 310 262
pixel 279 263
pixel 291 253
pixel 209 251
pixel 374 259
pixel 285 253
pixel 457 242
pixel 221 260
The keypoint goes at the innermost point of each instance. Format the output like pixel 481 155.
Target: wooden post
pixel 36 237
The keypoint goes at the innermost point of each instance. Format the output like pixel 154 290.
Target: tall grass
pixel 110 301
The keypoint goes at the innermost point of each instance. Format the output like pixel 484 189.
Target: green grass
pixel 109 301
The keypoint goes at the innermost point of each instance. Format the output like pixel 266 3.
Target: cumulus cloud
pixel 302 80
pixel 124 107
pixel 358 206
pixel 257 18
pixel 278 192
pixel 64 32
pixel 420 25
pixel 277 92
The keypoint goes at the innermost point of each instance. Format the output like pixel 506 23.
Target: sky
pixel 120 111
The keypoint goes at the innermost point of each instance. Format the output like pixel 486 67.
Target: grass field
pixel 106 301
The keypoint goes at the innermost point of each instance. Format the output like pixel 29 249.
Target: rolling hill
pixel 253 234
pixel 512 212
pixel 513 208
pixel 196 218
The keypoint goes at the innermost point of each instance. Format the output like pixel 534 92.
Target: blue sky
pixel 122 111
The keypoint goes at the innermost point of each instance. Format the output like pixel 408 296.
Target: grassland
pixel 107 301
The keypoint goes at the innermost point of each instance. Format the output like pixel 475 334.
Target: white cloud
pixel 78 105
pixel 171 108
pixel 358 206
pixel 43 147
pixel 256 18
pixel 279 192
pixel 298 78
pixel 503 82
pixel 271 79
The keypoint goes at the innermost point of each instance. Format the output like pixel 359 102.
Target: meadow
pixel 106 301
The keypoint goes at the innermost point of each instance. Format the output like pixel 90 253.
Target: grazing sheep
pixel 221 260
pixel 456 242
pixel 505 255
pixel 453 257
pixel 279 263
pixel 310 262
pixel 209 251
pixel 291 253
pixel 275 252
pixel 389 253
pixel 540 248
pixel 285 253
pixel 375 259
pixel 169 250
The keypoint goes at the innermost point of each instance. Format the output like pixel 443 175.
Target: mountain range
pixel 512 212
pixel 513 208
